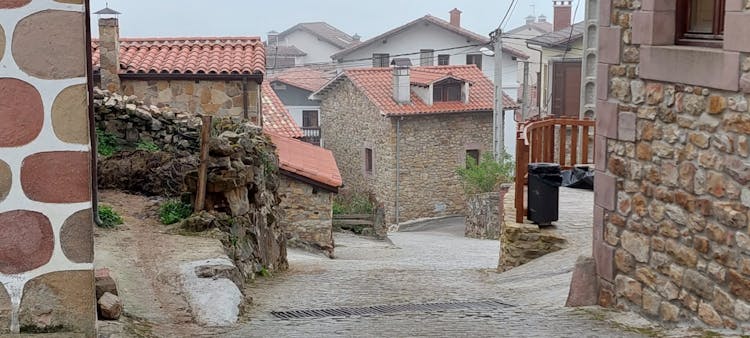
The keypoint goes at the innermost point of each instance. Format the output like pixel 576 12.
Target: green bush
pixel 488 174
pixel 106 143
pixel 109 217
pixel 147 146
pixel 173 211
pixel 352 203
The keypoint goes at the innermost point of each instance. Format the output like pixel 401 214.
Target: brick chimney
pixel 563 14
pixel 109 54
pixel 456 17
pixel 401 84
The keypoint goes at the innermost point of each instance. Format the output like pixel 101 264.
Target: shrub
pixel 173 211
pixel 352 203
pixel 106 143
pixel 488 174
pixel 147 146
pixel 109 217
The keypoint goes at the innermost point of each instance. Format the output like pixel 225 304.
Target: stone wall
pixel 307 215
pixel 46 224
pixel 523 242
pixel 484 214
pixel 431 149
pixel 672 199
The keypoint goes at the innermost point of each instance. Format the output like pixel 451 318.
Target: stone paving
pixel 429 263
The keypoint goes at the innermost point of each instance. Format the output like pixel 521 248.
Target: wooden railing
pixel 550 140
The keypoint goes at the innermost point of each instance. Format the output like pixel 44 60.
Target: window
pixel 472 156
pixel 380 60
pixel 309 118
pixel 447 90
pixel 368 160
pixel 474 59
pixel 700 22
pixel 444 59
pixel 426 57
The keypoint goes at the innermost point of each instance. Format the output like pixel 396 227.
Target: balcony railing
pixel 311 135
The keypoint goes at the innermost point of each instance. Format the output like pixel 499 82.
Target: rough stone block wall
pixel 46 224
pixel 308 216
pixel 672 199
pixel 523 242
pixel 484 214
pixel 218 98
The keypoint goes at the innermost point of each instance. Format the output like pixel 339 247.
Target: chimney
pixel 109 54
pixel 356 37
pixel 563 12
pixel 530 19
pixel 273 38
pixel 541 18
pixel 401 85
pixel 456 17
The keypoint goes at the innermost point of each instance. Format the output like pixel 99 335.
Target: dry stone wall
pixel 672 198
pixel 484 214
pixel 46 224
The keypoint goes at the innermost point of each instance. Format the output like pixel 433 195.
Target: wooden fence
pixel 550 140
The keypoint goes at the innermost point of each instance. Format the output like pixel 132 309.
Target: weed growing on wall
pixel 106 143
pixel 109 217
pixel 149 146
pixel 487 175
pixel 173 211
pixel 352 203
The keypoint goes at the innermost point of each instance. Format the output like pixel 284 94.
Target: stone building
pixel 46 219
pixel 673 161
pixel 399 134
pixel 211 75
pixel 310 179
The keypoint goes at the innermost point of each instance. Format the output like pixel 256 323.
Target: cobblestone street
pixel 430 263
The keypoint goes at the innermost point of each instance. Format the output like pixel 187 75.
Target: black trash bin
pixel 544 192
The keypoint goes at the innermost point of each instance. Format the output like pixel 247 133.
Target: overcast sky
pixel 180 18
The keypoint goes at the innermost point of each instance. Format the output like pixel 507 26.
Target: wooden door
pixel 566 88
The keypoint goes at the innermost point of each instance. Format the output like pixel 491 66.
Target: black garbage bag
pixel 578 178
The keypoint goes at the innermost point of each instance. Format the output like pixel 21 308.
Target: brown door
pixel 566 88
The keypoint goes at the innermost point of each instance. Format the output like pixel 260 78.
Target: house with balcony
pixel 399 133
pixel 294 86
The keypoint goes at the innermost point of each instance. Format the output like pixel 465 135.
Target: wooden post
pixel 200 195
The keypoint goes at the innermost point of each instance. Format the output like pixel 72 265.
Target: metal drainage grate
pixel 386 309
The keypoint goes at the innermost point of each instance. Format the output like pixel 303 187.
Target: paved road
pixel 427 264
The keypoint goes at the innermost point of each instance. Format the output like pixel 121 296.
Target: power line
pixel 513 9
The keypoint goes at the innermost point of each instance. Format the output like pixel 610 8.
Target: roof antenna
pixel 533 9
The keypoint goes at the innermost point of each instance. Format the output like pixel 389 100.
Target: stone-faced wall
pixel 672 199
pixel 484 214
pixel 307 218
pixel 218 98
pixel 46 224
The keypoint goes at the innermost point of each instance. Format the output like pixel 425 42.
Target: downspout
pixel 259 104
pixel 398 166
pixel 539 79
pixel 245 99
pixel 92 122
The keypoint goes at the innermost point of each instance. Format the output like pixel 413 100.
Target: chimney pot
pixel 563 14
pixel 401 84
pixel 273 38
pixel 456 17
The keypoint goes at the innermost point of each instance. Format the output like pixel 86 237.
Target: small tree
pixel 488 174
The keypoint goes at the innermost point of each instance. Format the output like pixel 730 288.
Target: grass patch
pixel 109 217
pixel 487 175
pixel 149 146
pixel 352 203
pixel 173 211
pixel 106 143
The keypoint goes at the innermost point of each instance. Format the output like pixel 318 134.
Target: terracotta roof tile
pixel 425 77
pixel 211 55
pixel 560 38
pixel 377 84
pixel 276 117
pixel 302 77
pixel 307 160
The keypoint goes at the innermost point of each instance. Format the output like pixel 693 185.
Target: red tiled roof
pixel 426 78
pixel 307 160
pixel 191 55
pixel 302 77
pixel 376 84
pixel 436 21
pixel 276 117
